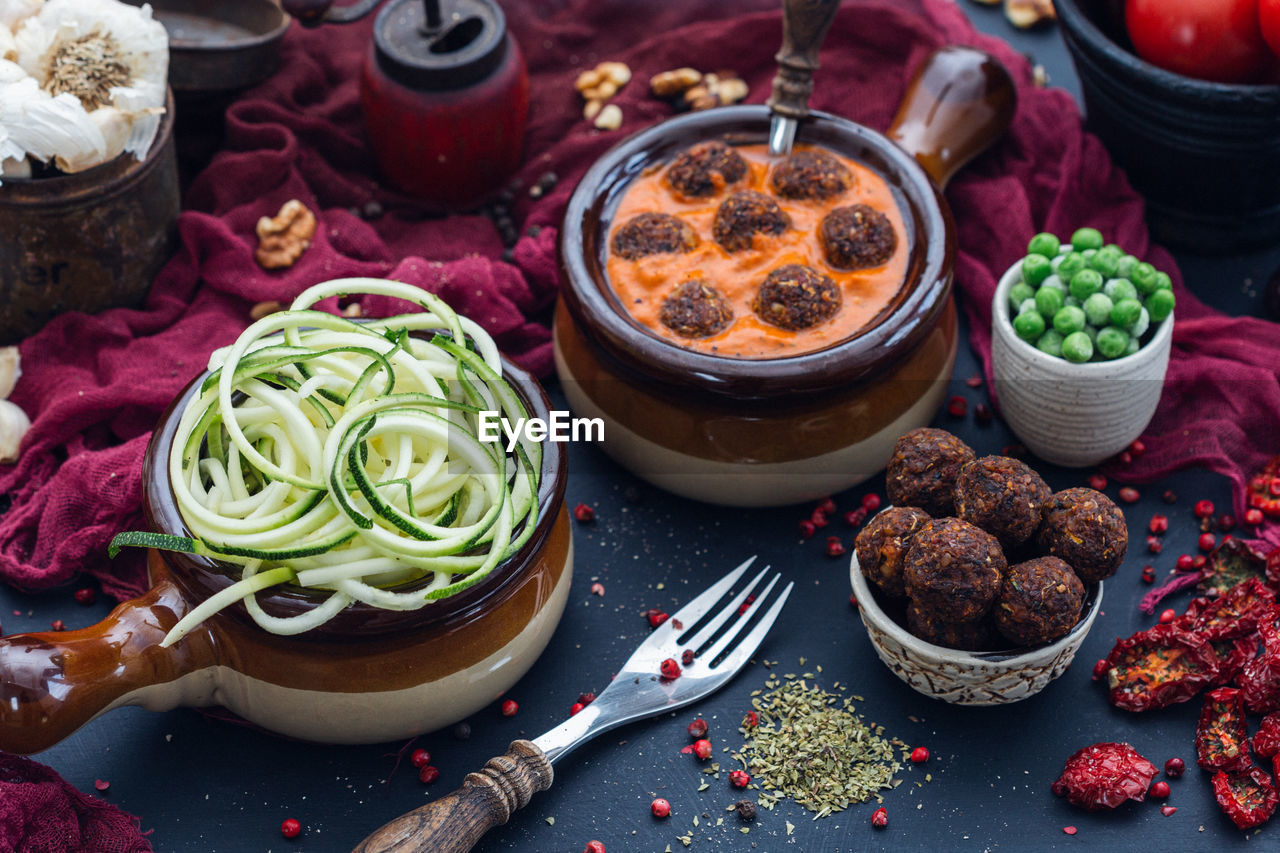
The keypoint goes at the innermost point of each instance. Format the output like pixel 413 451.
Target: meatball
pixel 882 545
pixel 980 636
pixel 743 215
pixel 954 569
pixel 857 237
pixel 811 174
pixel 923 468
pixel 1085 528
pixel 695 309
pixel 653 234
pixel 1003 496
pixel 705 169
pixel 796 297
pixel 1039 601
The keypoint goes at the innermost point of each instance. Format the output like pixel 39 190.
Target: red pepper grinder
pixel 445 95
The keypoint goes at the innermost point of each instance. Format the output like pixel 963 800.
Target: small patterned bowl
pixel 968 678
pixel 1074 415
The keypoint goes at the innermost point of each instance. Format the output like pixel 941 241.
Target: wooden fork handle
pixel 455 822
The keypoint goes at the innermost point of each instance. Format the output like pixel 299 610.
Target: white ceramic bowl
pixel 1073 414
pixel 967 678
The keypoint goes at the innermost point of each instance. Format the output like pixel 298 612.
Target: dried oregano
pixel 811 747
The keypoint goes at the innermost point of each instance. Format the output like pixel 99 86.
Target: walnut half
pixel 283 238
pixel 1025 14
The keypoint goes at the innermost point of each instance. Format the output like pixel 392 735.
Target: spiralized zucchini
pixel 343 456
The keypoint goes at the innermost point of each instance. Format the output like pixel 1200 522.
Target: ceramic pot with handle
pixel 367 676
pixel 763 432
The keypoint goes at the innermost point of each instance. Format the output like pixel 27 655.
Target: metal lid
pixel 440 44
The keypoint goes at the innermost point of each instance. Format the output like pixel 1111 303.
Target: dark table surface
pixel 207 785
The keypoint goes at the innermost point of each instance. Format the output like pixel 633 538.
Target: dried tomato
pixel 1234 613
pixel 1232 563
pixel 1222 738
pixel 1266 742
pixel 1159 667
pixel 1247 796
pixel 1104 775
pixel 1232 657
pixel 1259 681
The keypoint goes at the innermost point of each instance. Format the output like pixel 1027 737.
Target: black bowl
pixel 1206 156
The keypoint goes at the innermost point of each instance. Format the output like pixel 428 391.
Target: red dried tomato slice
pixel 1230 564
pixel 1104 775
pixel 1235 613
pixel 1247 796
pixel 1159 667
pixel 1266 742
pixel 1222 737
pixel 1232 657
pixel 1259 683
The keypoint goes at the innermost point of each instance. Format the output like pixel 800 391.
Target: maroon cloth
pixel 40 813
pixel 94 386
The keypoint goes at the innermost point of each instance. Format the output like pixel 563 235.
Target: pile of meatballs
pixel 979 552
pixel 792 296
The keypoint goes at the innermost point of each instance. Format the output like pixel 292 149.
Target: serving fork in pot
pixel 722 631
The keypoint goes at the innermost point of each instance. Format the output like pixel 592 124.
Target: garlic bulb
pixel 14 424
pixel 12 12
pixel 101 67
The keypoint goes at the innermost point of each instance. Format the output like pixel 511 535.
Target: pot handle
pixel 52 683
pixel 959 102
pixel 455 822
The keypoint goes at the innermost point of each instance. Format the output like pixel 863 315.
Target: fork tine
pixel 722 642
pixel 696 609
pixel 747 647
pixel 719 619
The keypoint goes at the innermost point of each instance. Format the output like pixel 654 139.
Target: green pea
pixel 1019 293
pixel 1072 302
pixel 1097 309
pixel 1028 306
pixel 1132 347
pixel 1087 238
pixel 1160 305
pixel 1111 342
pixel 1029 326
pixel 1105 263
pixel 1119 288
pixel 1077 348
pixel 1163 282
pixel 1048 301
pixel 1114 248
pixel 1069 320
pixel 1050 342
pixel 1070 265
pixel 1139 328
pixel 1045 244
pixel 1144 278
pixel 1126 266
pixel 1035 269
pixel 1089 255
pixel 1085 283
pixel 1055 283
pixel 1126 313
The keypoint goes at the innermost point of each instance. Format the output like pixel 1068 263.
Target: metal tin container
pixel 88 241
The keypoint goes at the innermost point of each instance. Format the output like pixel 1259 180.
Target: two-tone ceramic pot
pixel 368 675
pixel 772 431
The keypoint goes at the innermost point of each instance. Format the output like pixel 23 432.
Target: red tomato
pixel 1218 40
pixel 1269 16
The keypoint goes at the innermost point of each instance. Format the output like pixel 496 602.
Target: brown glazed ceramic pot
pixel 765 432
pixel 367 676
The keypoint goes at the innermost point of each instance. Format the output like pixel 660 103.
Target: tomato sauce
pixel 642 284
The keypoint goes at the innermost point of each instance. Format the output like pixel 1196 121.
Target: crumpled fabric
pixel 41 813
pixel 95 385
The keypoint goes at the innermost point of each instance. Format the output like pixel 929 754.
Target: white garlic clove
pixel 10 370
pixel 8 47
pixel 12 12
pixel 47 127
pixel 14 424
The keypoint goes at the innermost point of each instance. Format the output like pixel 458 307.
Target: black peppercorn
pixel 746 809
pixel 462 731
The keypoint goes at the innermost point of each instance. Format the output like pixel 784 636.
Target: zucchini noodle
pixel 344 457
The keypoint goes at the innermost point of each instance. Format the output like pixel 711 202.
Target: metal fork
pixel 722 640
